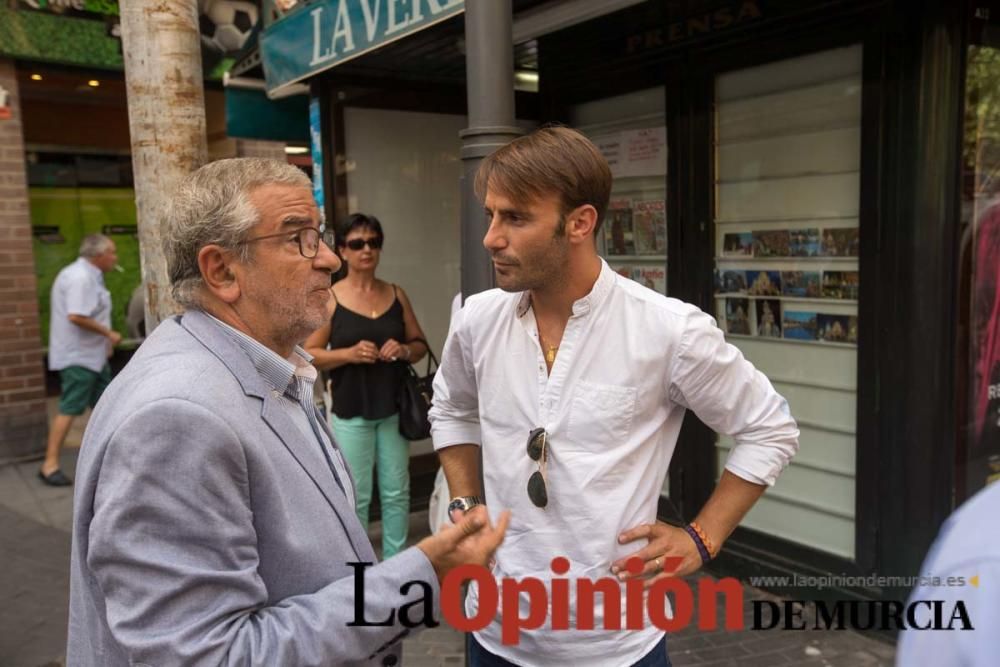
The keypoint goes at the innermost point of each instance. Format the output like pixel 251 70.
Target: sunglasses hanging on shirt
pixel 537 491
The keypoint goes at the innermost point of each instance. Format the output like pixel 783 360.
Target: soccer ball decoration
pixel 226 24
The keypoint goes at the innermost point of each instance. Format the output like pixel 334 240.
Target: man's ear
pixel 581 224
pixel 218 273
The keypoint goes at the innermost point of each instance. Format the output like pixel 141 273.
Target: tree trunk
pixel 166 110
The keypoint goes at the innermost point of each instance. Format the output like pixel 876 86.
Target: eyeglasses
pixel 537 492
pixel 308 239
pixel 357 244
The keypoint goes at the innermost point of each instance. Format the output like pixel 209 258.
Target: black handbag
pixel 415 395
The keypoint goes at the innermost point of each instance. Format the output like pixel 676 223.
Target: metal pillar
pixel 489 72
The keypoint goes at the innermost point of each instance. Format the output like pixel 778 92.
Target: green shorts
pixel 81 387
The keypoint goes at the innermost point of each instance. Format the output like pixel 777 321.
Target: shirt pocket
pixel 103 305
pixel 601 415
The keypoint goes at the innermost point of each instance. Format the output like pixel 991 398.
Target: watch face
pixel 463 504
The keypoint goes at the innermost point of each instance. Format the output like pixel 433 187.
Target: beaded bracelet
pixel 702 549
pixel 704 543
pixel 709 545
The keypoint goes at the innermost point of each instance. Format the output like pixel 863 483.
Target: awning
pixel 327 33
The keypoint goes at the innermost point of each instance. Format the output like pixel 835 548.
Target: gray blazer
pixel 208 531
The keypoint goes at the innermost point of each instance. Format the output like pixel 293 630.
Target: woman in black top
pixel 372 334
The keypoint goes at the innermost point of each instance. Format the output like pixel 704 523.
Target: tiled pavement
pixel 34 588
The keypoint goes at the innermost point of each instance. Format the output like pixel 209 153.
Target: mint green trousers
pixel 368 443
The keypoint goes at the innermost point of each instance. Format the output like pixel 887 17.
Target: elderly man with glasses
pixel 214 517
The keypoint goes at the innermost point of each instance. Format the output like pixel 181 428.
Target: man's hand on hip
pixel 665 541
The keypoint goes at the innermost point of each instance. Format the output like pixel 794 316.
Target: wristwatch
pixel 463 503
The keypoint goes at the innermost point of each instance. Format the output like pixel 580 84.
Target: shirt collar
pixel 282 374
pixel 91 269
pixel 582 306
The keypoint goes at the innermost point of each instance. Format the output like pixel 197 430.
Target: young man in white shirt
pixel 573 381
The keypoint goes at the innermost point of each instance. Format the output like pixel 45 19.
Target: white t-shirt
pixel 78 290
pixel 630 363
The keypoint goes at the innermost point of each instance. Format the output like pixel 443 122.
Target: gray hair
pixel 212 207
pixel 95 245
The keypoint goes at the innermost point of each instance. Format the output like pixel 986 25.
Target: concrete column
pixel 23 419
pixel 490 85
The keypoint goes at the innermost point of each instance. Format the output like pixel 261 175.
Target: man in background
pixel 80 342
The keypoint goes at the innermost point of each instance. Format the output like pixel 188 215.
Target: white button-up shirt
pixel 967 548
pixel 630 363
pixel 78 290
pixel 291 381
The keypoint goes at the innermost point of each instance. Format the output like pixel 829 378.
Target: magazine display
pixel 737 318
pixel 788 303
pixel 840 284
pixel 649 225
pixel 764 283
pixel 771 244
pixel 653 277
pixel 618 236
pixel 799 325
pixel 840 242
pixel 737 245
pixel 809 242
pixel 768 318
pixel 801 283
pixel 803 243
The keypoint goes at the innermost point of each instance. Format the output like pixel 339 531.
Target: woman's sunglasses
pixel 537 492
pixel 357 244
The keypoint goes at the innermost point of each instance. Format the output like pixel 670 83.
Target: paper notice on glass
pixel 610 146
pixel 644 152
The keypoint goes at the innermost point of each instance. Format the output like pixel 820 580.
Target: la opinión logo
pixel 644 605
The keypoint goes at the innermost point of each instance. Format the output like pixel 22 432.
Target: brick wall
pixel 23 420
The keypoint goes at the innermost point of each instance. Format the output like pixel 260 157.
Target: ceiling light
pixel 296 150
pixel 93 83
pixel 526 80
pixel 36 77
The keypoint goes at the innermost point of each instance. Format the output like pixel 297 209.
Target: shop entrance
pixel 770 205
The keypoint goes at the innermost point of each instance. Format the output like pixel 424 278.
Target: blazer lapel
pixel 305 451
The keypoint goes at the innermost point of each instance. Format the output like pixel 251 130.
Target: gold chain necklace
pixel 550 354
pixel 550 351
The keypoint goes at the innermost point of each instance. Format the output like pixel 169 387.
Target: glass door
pixel 981 252
pixel 630 130
pixel 787 143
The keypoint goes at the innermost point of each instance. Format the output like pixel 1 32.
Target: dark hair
pixel 551 160
pixel 359 221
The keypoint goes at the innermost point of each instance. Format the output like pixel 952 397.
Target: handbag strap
pixel 430 354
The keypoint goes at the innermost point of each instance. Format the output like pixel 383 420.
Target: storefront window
pixel 981 248
pixel 631 132
pixel 787 178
